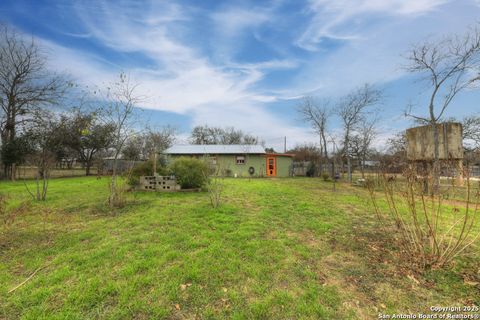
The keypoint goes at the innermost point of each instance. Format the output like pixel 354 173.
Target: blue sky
pixel 246 63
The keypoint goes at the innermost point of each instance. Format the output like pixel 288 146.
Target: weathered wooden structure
pixel 159 183
pixel 421 147
pixel 421 143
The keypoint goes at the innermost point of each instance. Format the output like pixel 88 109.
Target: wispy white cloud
pixel 232 24
pixel 88 68
pixel 342 19
pixel 232 21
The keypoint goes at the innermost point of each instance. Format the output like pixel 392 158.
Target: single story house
pixel 237 160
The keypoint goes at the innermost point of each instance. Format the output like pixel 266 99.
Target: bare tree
pixel 361 142
pixel 149 144
pixel 201 135
pixel 119 111
pixel 230 135
pixel 134 148
pixel 250 139
pixel 305 152
pixel 25 85
pixel 471 132
pixel 44 136
pixel 317 114
pixel 352 109
pixel 394 157
pixel 157 141
pixel 206 135
pixel 397 144
pixel 215 184
pixel 448 66
pixel 217 135
pixel 470 137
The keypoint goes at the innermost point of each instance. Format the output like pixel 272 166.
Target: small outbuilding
pixel 237 160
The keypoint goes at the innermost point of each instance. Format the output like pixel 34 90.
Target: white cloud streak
pixel 340 19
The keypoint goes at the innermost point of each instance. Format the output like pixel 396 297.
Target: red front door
pixel 271 167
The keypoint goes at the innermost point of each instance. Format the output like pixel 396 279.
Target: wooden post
pixel 155 163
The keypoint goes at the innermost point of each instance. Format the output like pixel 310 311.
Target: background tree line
pixel 217 135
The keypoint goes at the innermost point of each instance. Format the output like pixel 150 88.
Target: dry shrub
pixel 9 215
pixel 119 188
pixel 118 193
pixel 215 185
pixel 431 230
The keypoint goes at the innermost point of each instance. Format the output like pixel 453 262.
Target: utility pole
pixel 285 145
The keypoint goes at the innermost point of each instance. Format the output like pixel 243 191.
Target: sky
pixel 247 63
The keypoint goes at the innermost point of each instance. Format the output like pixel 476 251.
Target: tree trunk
pixel 44 187
pixel 88 165
pixel 362 169
pixel 38 188
pixel 347 154
pixel 325 152
pixel 113 184
pixel 436 160
pixel 9 137
pixel 349 168
pixel 13 171
pixel 362 163
pixel 333 168
pixel 154 163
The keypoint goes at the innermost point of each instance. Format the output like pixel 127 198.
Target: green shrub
pixel 145 169
pixel 190 172
pixel 325 176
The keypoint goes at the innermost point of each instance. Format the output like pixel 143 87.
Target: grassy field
pixel 276 249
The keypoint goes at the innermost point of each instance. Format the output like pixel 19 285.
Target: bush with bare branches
pixel 430 229
pixel 215 185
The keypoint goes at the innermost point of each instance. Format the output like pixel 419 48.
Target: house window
pixel 213 160
pixel 240 159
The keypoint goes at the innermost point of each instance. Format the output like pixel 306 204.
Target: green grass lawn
pixel 275 249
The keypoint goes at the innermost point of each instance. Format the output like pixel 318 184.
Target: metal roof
pixel 215 149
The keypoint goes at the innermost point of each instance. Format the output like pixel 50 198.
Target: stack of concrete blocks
pixel 159 183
